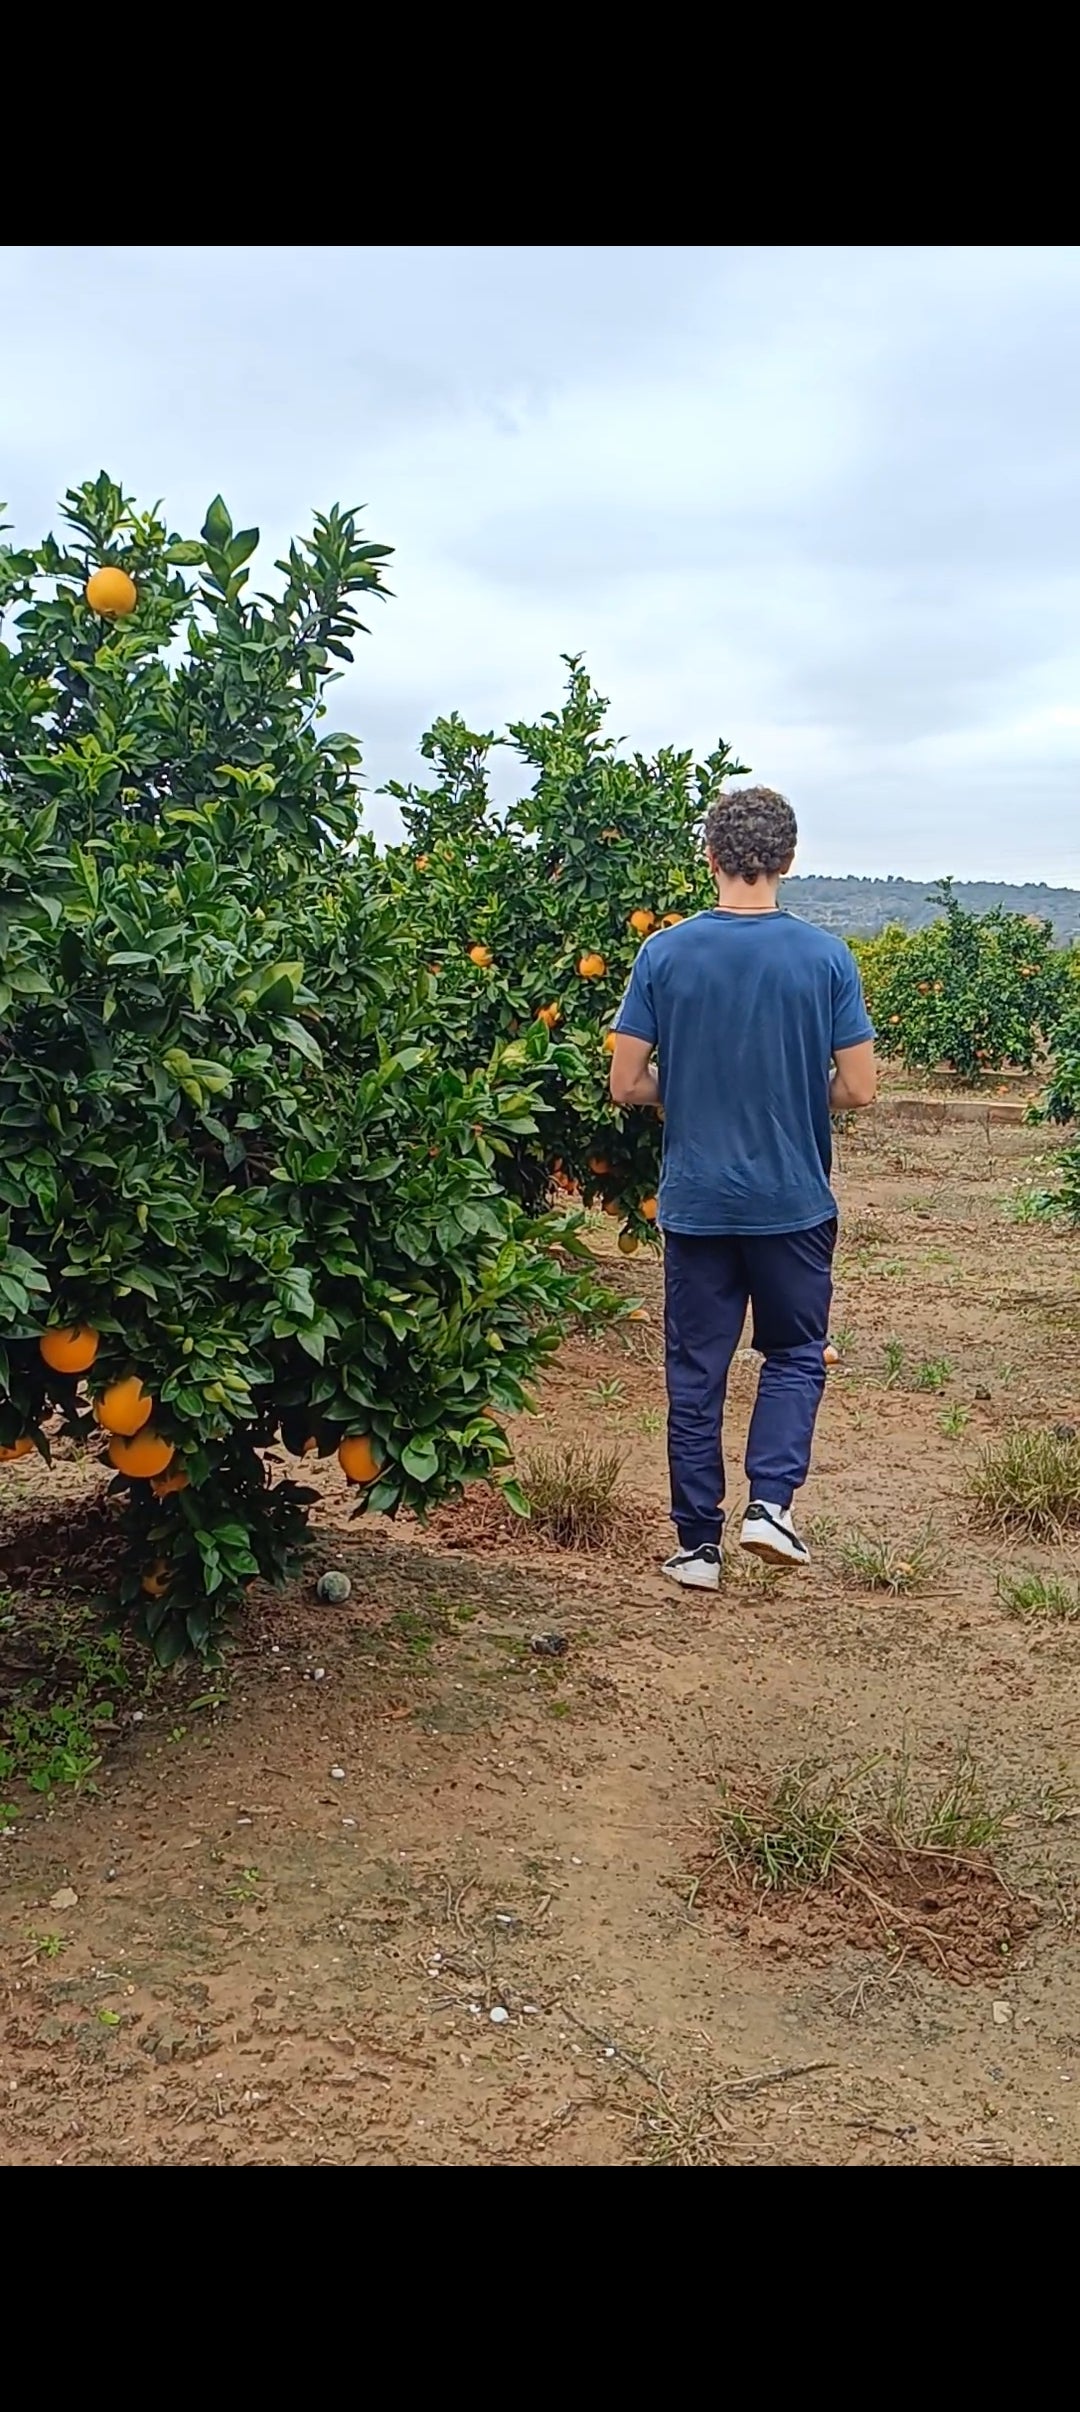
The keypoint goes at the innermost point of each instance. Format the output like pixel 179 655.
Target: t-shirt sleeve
pixel 636 1017
pixel 852 1025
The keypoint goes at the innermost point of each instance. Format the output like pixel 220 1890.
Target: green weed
pixel 1029 1482
pixel 1041 1599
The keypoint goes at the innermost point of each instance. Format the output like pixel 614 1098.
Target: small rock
pixel 64 1899
pixel 333 1586
pixel 982 1391
pixel 498 2016
pixel 319 1675
pixel 1001 2013
pixel 1065 1432
pixel 338 1774
pixel 549 1645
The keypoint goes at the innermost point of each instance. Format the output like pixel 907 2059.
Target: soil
pixel 402 1889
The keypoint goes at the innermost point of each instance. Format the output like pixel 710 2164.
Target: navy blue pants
pixel 708 1284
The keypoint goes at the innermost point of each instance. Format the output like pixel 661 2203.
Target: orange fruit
pixel 358 1459
pixel 125 1407
pixel 156 1580
pixel 609 1041
pixel 142 1455
pixel 591 967
pixel 647 1210
pixel 549 1015
pixel 612 1206
pixel 423 862
pixel 163 1485
pixel 599 1164
pixel 628 1245
pixel 831 1354
pixel 669 920
pixel 482 957
pixel 69 1348
pixel 112 593
pixel 643 921
pixel 20 1448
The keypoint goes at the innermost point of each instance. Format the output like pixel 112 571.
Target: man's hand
pixel 633 1074
pixel 854 1082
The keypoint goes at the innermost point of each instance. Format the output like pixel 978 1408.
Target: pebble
pixel 338 1774
pixel 549 1645
pixel 64 1899
pixel 498 2016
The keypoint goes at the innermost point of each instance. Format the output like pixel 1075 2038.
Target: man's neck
pixel 746 895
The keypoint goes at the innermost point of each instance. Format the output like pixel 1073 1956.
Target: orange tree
pixel 242 1195
pixel 975 991
pixel 525 924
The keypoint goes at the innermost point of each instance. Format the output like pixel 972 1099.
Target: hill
pixel 856 908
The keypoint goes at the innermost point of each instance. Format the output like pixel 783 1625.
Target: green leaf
pixel 421 1460
pixel 295 1035
pixel 217 526
pixel 515 1498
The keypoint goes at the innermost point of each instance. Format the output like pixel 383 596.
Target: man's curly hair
pixel 751 832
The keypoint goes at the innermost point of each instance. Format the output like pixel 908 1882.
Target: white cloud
pixel 824 502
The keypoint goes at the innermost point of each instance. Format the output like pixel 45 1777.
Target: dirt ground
pixel 404 1891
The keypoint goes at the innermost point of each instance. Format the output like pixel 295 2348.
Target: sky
pixel 823 502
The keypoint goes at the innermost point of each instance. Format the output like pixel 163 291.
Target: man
pixel 759 1031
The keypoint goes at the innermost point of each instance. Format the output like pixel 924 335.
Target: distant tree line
pixel 858 908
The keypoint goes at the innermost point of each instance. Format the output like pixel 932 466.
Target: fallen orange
pixel 23 1447
pixel 628 1245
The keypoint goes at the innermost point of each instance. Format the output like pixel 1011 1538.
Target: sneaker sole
pixel 773 1555
pixel 707 1582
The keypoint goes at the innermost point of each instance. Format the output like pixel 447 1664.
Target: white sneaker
pixel 768 1532
pixel 696 1569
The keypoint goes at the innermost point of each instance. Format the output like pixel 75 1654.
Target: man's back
pixel 746 1011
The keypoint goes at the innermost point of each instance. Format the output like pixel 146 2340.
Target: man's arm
pixel 633 1073
pixel 854 1082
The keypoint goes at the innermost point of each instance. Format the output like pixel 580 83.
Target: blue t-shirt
pixel 745 1011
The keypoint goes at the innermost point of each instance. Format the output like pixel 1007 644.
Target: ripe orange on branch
pixel 125 1407
pixel 69 1348
pixel 643 921
pixel 112 593
pixel 591 967
pixel 164 1485
pixel 145 1454
pixel 482 957
pixel 549 1015
pixel 358 1460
